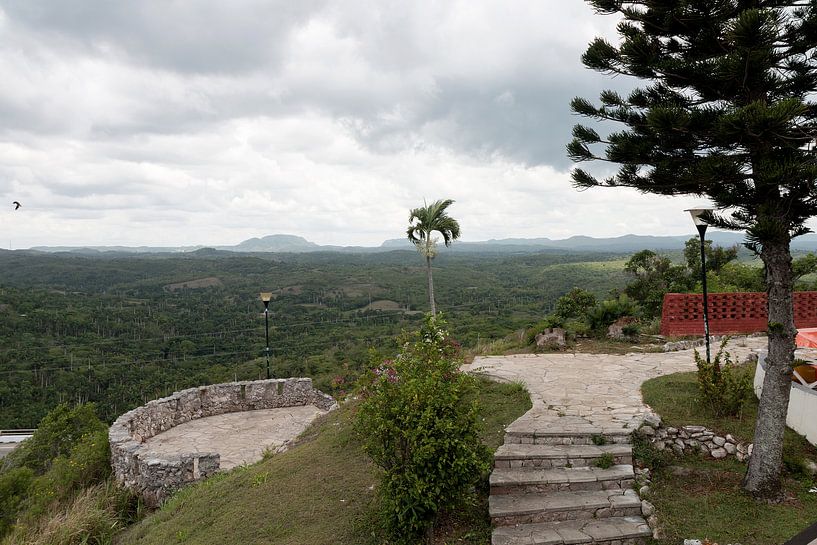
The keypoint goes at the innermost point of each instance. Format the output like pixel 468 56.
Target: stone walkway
pixel 240 438
pixel 549 485
pixel 588 392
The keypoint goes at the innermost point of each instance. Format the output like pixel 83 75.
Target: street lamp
pixel 265 298
pixel 696 214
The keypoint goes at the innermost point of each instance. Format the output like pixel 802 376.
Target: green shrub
pixel 87 464
pixel 56 435
pixel 607 312
pixel 575 304
pixel 724 387
pixel 13 489
pixel 417 425
pixel 648 455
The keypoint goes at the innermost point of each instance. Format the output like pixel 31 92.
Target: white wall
pixel 802 415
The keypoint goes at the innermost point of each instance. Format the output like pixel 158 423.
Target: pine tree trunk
pixel 763 476
pixel 430 286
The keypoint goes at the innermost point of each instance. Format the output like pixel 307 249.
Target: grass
pixel 320 492
pixel 702 498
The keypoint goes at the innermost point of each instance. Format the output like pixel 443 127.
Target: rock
pixel 693 443
pixel 720 441
pixel 672 431
pixel 741 448
pixel 730 448
pixel 652 420
pixel 749 449
pixel 694 429
pixel 740 457
pixel 730 439
pixel 646 472
pixel 660 445
pixel 680 443
pixel 718 453
pixel 644 491
pixel 550 338
pixel 692 542
pixel 646 431
pixel 647 509
pixel 810 467
pixel 616 329
pixel 677 450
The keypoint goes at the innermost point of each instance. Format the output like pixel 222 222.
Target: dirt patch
pixel 383 304
pixel 199 283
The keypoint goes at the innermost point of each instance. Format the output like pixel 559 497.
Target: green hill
pixel 322 491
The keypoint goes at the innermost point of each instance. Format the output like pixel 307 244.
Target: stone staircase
pixel 547 490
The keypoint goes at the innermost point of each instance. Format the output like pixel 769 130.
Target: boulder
pixel 551 337
pixel 616 329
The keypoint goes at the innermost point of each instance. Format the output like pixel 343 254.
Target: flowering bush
pixel 417 424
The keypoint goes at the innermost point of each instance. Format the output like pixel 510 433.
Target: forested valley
pixel 121 329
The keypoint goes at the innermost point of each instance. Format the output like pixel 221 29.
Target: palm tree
pixel 423 222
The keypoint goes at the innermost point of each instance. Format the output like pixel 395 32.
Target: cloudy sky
pixel 209 122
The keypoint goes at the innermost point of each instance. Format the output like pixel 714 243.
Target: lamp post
pixel 696 214
pixel 265 298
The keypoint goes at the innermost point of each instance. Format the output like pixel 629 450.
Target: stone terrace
pixel 545 487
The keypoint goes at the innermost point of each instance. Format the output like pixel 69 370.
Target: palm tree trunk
pixel 763 476
pixel 430 286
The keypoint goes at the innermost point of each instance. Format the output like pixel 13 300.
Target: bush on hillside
pixel 725 388
pixel 417 425
pixel 575 304
pixel 56 435
pixel 68 452
pixel 607 312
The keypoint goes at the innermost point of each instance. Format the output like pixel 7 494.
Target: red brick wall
pixel 682 314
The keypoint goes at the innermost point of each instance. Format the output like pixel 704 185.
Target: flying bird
pixel 16 205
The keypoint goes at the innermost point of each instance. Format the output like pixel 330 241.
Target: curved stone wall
pixel 155 478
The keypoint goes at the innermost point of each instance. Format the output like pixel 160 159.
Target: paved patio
pixel 591 393
pixel 240 438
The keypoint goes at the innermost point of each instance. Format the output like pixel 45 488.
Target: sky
pixel 171 123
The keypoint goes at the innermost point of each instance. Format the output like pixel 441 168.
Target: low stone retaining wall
pixel 714 342
pixel 689 439
pixel 155 478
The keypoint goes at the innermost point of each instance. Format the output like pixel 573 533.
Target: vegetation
pixel 702 498
pixel 323 491
pixel 725 389
pixel 423 222
pixel 54 489
pixel 418 427
pixel 105 329
pixel 728 113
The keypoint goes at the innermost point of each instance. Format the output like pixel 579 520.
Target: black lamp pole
pixel 702 233
pixel 266 297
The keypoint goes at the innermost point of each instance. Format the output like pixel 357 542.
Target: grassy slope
pixel 700 499
pixel 320 492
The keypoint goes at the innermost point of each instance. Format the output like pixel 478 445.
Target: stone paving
pixel 591 393
pixel 240 438
pixel 546 486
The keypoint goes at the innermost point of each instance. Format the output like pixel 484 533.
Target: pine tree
pixel 726 111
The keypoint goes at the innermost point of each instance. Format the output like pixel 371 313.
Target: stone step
pixel 510 509
pixel 525 480
pixel 555 436
pixel 517 455
pixel 607 531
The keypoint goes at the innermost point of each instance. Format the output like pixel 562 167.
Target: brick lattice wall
pixel 729 313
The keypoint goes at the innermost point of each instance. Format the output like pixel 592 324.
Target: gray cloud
pixel 209 122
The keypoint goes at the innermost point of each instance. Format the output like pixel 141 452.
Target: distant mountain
pixel 578 243
pixel 274 243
